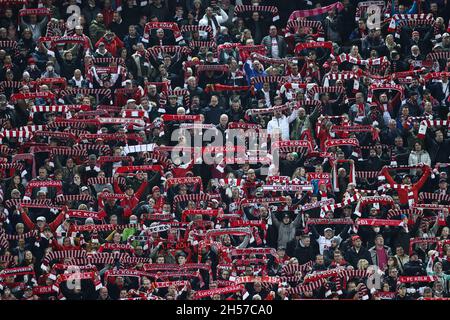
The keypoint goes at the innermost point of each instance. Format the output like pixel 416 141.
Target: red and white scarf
pixel 299 14
pixel 239 9
pixel 172 26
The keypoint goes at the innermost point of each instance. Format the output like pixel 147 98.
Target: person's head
pixel 41 221
pixel 439 136
pixel 257 65
pixel 359 97
pixel 405 111
pixel 99 18
pixel 223 120
pixel 401 290
pixel 445 232
pixel 398 141
pixel 433 7
pixel 328 233
pixel 362 264
pixel 399 251
pixel 66 241
pixel 42 173
pixel 209 12
pixel 446 39
pixel 379 240
pixel 428 107
pixel 395 55
pixel 337 255
pixel 273 31
pixel 357 243
pixel 113 219
pixel 427 292
pixel 306 240
pixel 393 272
pixel 8 13
pixel 417 146
pixel 181 260
pixel 214 101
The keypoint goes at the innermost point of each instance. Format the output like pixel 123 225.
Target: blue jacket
pixel 250 73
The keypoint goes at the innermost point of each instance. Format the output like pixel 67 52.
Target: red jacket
pixel 53 225
pixel 129 203
pixel 403 193
pixel 112 46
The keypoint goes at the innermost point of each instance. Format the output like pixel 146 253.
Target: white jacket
pixel 281 125
pixel 220 19
pixel 416 157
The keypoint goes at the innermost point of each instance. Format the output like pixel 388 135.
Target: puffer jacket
pixel 416 157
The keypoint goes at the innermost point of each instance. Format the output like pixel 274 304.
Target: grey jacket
pixel 373 253
pixel 282 47
pixel 286 232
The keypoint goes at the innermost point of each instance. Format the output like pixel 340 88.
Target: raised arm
pixel 141 189
pixel 117 187
pixel 387 175
pixel 26 219
pixel 425 174
pixel 59 219
pixel 275 221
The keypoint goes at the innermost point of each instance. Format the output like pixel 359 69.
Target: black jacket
pixel 352 257
pixel 303 254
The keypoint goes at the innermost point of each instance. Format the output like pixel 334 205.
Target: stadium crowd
pixel 99 100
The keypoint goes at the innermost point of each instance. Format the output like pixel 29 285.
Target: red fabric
pixel 107 16
pixel 53 225
pixel 403 193
pixel 112 46
pixel 129 203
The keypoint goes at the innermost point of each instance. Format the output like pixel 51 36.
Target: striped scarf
pixel 292 269
pixel 436 56
pixel 344 203
pixel 293 25
pixel 239 9
pixel 178 92
pixel 269 79
pixel 430 123
pixel 74 197
pixel 379 200
pixel 292 146
pixel 87 91
pixel 210 45
pixel 156 50
pixel 314 45
pixel 28 203
pixel 332 89
pixel 345 57
pixel 299 14
pixel 102 149
pixel 172 26
pixel 62 151
pixel 191 28
pixel 433 196
pixel 397 17
pixel 367 175
pixel 375 87
pixel 413 24
pixel 398 212
pixel 267 60
pixel 212 68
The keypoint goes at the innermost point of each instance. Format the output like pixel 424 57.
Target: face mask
pixel 376 229
pixel 50 69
